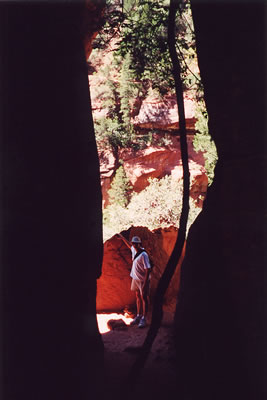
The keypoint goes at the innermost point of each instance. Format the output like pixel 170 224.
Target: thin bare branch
pixel 178 248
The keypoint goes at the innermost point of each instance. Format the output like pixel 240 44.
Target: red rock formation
pixel 157 160
pixel 158 113
pixel 113 287
pixel 154 162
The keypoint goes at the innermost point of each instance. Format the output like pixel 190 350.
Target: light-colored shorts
pixel 137 285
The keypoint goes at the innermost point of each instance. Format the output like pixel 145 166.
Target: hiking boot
pixel 136 320
pixel 142 323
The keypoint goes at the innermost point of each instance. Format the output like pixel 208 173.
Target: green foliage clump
pixel 128 88
pixel 120 190
pixel 158 205
pixel 203 142
pixel 144 36
pixel 117 96
pixel 141 62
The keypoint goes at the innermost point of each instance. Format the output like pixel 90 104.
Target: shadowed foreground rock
pixel 219 319
pixel 51 222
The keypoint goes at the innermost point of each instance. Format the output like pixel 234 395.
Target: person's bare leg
pixel 145 305
pixel 144 300
pixel 138 308
pixel 138 302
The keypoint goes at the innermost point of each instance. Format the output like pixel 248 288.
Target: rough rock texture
pixel 156 113
pixel 154 162
pixel 113 287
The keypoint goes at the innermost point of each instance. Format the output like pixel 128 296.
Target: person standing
pixel 140 274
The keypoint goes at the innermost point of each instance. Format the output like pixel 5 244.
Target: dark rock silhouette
pixel 51 223
pixel 51 248
pixel 219 319
pixel 117 324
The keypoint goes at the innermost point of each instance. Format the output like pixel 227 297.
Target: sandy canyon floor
pixel 157 378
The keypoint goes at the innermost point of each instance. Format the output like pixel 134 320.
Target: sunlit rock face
pixel 113 287
pixel 149 113
pixel 158 113
pixel 154 162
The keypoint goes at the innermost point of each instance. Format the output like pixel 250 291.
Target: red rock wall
pixel 153 162
pixel 113 287
pixel 156 160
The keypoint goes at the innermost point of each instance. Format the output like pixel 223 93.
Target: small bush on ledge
pixel 159 205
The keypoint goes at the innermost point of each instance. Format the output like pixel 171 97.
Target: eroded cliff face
pixel 154 162
pixel 161 157
pixel 113 287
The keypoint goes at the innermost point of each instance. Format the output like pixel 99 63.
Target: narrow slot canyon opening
pixel 137 133
pixel 210 343
pixel 136 119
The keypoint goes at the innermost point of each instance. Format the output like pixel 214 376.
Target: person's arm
pixel 128 244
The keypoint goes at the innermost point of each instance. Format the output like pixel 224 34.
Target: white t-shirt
pixel 140 264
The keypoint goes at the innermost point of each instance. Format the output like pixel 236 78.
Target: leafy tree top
pixel 141 29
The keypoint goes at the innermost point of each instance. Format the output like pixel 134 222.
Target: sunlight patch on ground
pixel 102 320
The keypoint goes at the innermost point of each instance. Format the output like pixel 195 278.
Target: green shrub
pixel 120 190
pixel 140 62
pixel 158 205
pixel 203 142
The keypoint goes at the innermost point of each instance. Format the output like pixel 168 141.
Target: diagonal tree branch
pixel 178 247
